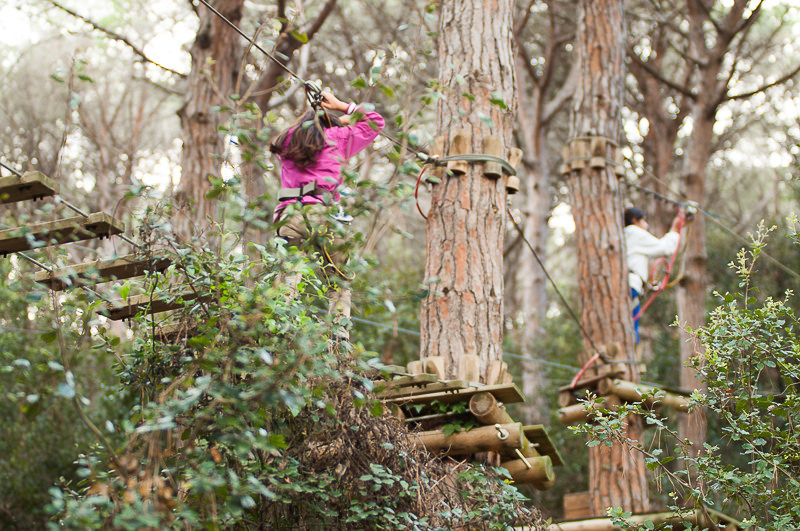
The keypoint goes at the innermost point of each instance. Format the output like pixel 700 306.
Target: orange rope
pixel 416 192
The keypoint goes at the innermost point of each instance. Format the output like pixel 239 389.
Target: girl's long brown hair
pixel 307 138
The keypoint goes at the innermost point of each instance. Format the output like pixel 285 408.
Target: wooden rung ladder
pixel 147 305
pixel 99 271
pixel 32 185
pixel 67 230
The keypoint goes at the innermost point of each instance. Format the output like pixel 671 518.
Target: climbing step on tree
pixel 148 305
pixel 61 231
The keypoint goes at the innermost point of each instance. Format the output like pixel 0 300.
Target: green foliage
pixel 751 372
pixel 260 418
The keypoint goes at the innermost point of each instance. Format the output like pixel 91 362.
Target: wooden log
pixel 32 185
pixel 415 367
pixel 658 519
pixel 460 144
pixel 566 398
pixel 541 470
pixel 100 271
pixel 483 439
pixel 632 392
pixel 597 149
pixel 422 388
pixel 97 225
pixel 125 309
pixel 493 145
pixel 435 365
pixel 487 410
pixel 513 181
pixel 396 412
pixel 469 368
pixel 577 413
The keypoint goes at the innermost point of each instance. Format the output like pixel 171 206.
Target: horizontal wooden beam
pixel 100 271
pixel 696 516
pixel 422 387
pixel 506 393
pixel 67 230
pixel 147 305
pixel 535 470
pixel 540 439
pixel 632 392
pixel 32 185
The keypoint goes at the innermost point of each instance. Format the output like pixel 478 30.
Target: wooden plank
pixel 96 225
pixel 538 436
pixel 173 332
pixel 428 387
pixel 32 185
pixel 125 309
pixel 506 393
pixel 100 271
pixel 577 506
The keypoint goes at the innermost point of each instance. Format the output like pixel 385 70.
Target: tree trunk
pixel 617 475
pixel 463 313
pixel 691 295
pixel 215 62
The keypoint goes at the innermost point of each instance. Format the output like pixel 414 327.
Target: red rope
pixel 583 370
pixel 416 192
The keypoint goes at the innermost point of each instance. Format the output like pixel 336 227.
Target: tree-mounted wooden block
pixel 578 154
pixel 437 151
pixel 598 150
pixel 460 143
pixel 514 159
pixel 493 145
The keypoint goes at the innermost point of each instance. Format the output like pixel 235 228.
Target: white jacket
pixel 641 246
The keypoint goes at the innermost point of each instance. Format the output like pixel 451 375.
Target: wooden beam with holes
pixel 67 230
pixel 101 271
pixel 147 305
pixel 32 185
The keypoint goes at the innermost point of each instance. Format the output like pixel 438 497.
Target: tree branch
pixel 779 81
pixel 117 37
pixel 657 75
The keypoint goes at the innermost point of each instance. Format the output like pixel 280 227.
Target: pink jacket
pixel 343 143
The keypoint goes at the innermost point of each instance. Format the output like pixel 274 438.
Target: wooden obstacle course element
pixel 125 309
pixel 101 271
pixel 577 506
pixel 577 412
pixel 506 393
pixel 569 395
pixel 482 439
pixel 434 365
pixel 415 367
pixel 67 230
pixel 493 145
pixel 174 332
pixel 632 392
pixel 513 182
pixel 469 368
pixel 31 185
pixel 460 144
pixel 487 410
pixel 542 443
pixel 697 517
pixel 540 471
pixel 437 151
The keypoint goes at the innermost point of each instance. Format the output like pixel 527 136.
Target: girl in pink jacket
pixel 312 153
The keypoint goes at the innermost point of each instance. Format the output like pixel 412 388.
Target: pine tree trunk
pixel 617 475
pixel 463 313
pixel 215 62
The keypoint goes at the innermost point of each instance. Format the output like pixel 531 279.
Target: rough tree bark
pixel 617 476
pixel 215 64
pixel 463 313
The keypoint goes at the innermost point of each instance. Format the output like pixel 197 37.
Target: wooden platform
pixel 97 225
pixel 448 394
pixel 537 435
pixel 101 271
pixel 118 310
pixel 32 185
